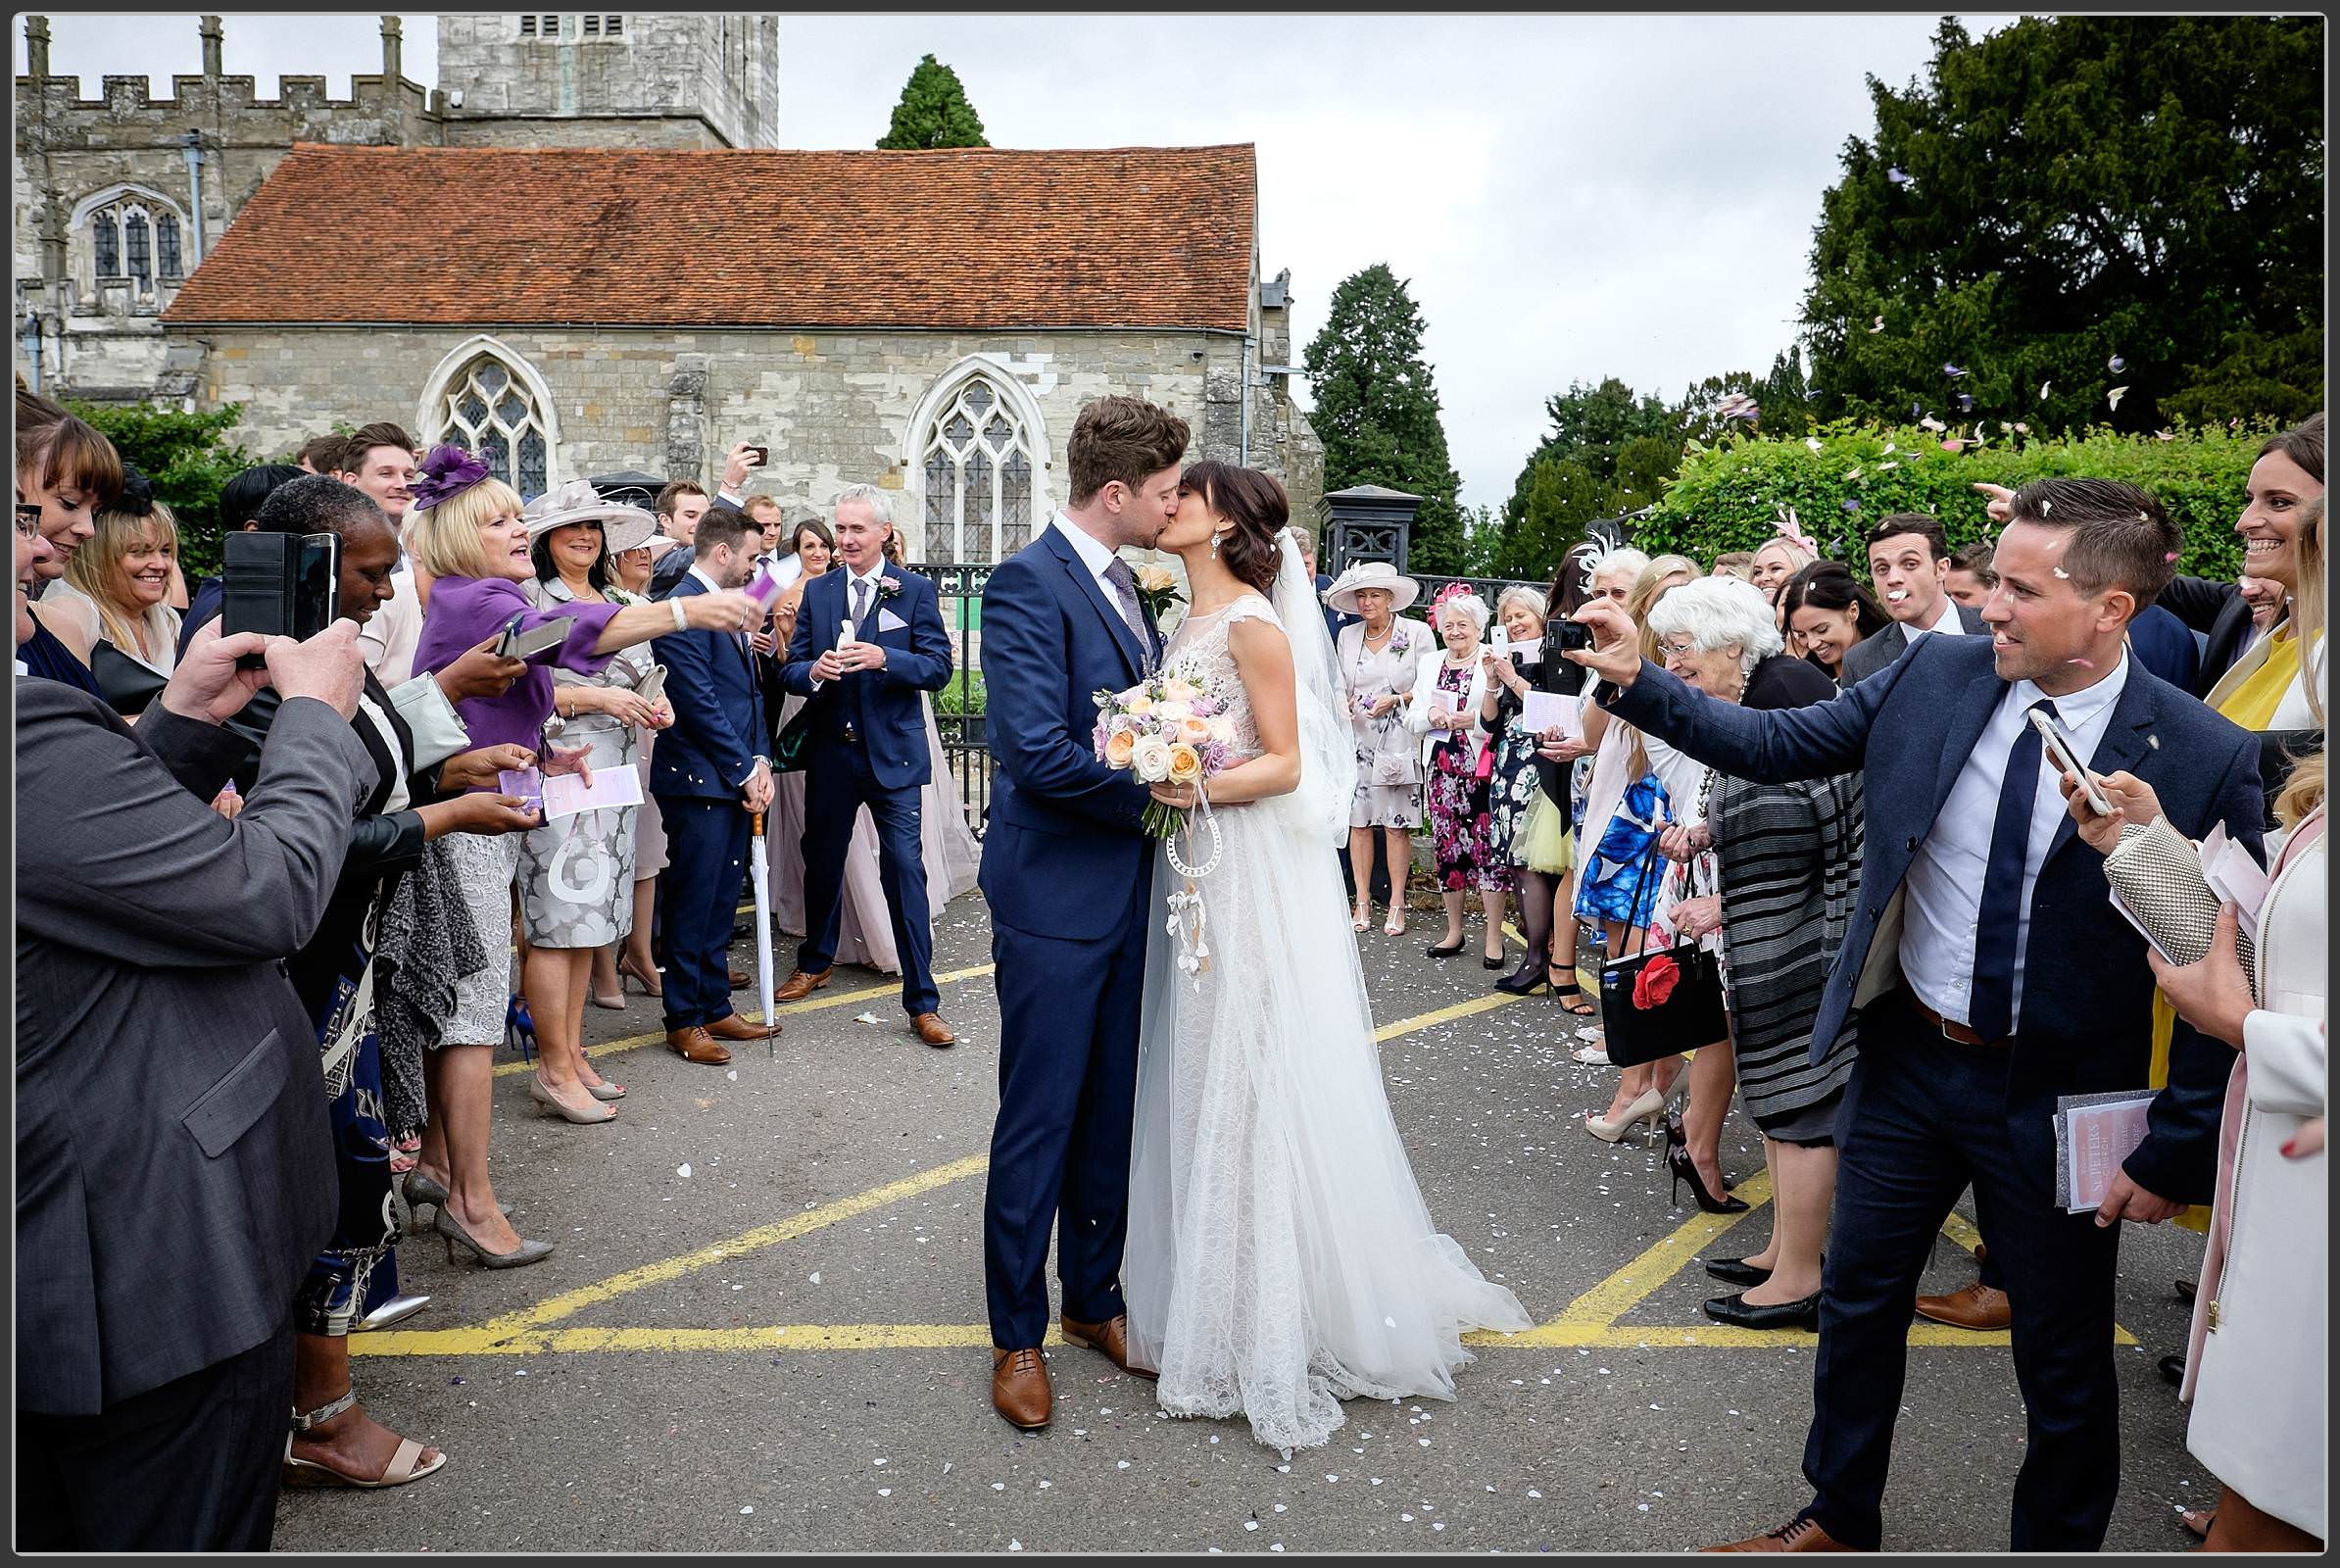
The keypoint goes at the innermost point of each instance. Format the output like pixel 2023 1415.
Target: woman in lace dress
pixel 1280 1256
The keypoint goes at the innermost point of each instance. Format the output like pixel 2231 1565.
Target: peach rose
pixel 1180 689
pixel 1118 747
pixel 1194 731
pixel 1186 764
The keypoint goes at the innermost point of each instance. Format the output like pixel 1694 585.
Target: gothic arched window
pixel 976 457
pixel 166 247
pixel 133 234
pixel 108 240
pixel 491 410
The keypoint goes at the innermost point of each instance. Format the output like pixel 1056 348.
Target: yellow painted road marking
pixel 812 1003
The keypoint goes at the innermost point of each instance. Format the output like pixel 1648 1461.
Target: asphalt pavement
pixel 763 1329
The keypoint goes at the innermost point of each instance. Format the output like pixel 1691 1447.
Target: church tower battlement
pixel 609 79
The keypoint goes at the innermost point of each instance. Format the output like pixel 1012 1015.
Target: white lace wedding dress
pixel 1280 1256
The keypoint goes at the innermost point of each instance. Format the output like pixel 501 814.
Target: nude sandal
pixel 401 1468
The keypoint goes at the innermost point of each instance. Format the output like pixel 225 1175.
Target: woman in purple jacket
pixel 467 536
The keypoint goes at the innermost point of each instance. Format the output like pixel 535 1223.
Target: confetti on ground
pixel 684 1172
pixel 864 1017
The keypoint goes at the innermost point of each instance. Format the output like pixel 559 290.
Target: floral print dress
pixel 1461 818
pixel 1515 782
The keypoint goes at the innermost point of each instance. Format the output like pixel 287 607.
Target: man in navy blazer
pixel 709 772
pixel 1067 869
pixel 866 745
pixel 1989 975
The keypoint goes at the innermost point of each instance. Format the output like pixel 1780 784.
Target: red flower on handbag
pixel 1656 982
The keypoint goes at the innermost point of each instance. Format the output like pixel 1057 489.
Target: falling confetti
pixel 2164 435
pixel 2113 397
pixel 1929 422
pixel 2022 428
pixel 2115 364
pixel 1953 444
pixel 1853 472
pixel 1891 448
pixel 2043 386
pixel 1898 177
pixel 1966 403
pixel 1850 505
pixel 1952 370
pixel 2171 555
pixel 1812 443
pixel 2061 572
pixel 1887 467
pixel 1879 325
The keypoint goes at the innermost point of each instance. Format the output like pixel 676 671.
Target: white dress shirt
pixel 1944 909
pixel 1947 622
pixel 1095 555
pixel 873 576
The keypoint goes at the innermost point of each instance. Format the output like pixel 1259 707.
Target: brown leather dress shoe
pixel 798 985
pixel 1109 1340
pixel 736 1027
pixel 1797 1535
pixel 1020 1390
pixel 739 980
pixel 1977 1306
pixel 693 1044
pixel 930 1027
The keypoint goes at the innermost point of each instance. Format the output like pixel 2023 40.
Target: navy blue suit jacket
pixel 882 703
pixel 1065 850
pixel 718 712
pixel 2086 1021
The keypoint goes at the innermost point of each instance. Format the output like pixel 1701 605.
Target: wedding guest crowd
pixel 1661 756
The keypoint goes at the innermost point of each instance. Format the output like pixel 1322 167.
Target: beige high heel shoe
pixel 601 1111
pixel 1649 1108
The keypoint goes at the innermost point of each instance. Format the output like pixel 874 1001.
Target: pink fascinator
pixel 447 470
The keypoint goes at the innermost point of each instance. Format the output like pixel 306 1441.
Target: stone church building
pixel 547 259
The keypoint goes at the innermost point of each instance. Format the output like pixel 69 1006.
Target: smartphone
pixel 762 455
pixel 2060 751
pixel 279 585
pixel 519 644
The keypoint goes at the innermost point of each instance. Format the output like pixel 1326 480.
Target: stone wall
pixel 835 409
pixel 528 89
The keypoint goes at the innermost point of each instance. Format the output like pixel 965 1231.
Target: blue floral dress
pixel 1612 875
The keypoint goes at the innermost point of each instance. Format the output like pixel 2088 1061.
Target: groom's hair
pixel 1256 503
pixel 1122 438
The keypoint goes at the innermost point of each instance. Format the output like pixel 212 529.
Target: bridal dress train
pixel 1280 1256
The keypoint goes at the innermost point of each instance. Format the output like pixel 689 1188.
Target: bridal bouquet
pixel 1170 729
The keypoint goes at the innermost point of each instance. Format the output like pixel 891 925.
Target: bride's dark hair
pixel 1256 503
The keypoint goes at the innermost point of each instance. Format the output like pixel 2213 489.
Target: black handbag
pixel 1660 1004
pixel 787 747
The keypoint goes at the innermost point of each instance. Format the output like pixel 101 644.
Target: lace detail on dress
pixel 1279 1257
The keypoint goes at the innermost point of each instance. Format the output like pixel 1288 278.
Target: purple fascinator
pixel 447 470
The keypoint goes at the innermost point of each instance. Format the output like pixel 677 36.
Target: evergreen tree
pixel 1377 411
pixel 934 112
pixel 2072 192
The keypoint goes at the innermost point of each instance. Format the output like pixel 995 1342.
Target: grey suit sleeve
pixel 113 854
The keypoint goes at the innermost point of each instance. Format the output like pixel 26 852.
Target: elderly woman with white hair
pixel 1380 652
pixel 1515 668
pixel 1787 862
pixel 1449 694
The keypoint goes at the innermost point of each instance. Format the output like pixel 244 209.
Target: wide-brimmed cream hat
pixel 1402 590
pixel 623 527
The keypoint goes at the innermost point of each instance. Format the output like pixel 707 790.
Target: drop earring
pixel 1214 547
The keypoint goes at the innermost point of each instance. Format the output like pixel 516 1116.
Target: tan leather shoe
pixel 736 1027
pixel 1797 1535
pixel 1977 1306
pixel 930 1027
pixel 1020 1390
pixel 798 985
pixel 693 1044
pixel 1109 1340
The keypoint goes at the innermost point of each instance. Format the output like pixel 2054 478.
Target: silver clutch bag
pixel 2155 872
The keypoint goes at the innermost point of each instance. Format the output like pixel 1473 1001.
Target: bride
pixel 1280 1256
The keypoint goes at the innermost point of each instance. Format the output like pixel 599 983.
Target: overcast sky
pixel 1570 197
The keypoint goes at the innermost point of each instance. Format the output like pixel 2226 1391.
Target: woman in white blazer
pixel 1450 691
pixel 2257 1354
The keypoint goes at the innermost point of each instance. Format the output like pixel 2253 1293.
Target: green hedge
pixel 1728 496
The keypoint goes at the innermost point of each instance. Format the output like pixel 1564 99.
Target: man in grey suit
pixel 1909 560
pixel 174 1169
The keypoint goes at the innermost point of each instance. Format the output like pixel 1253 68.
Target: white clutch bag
pixel 2157 879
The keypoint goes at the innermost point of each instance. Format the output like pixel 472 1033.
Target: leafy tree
pixel 2073 191
pixel 1563 496
pixel 1377 411
pixel 187 459
pixel 934 112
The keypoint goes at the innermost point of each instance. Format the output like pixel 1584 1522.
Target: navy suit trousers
pixel 699 892
pixel 837 783
pixel 1060 1148
pixel 1922 1116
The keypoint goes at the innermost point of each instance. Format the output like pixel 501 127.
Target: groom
pixel 1066 871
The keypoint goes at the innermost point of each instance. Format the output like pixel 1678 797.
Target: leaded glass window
pixel 109 245
pixel 977 465
pixel 133 234
pixel 488 410
pixel 166 245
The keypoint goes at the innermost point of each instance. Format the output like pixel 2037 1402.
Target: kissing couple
pixel 1234 1210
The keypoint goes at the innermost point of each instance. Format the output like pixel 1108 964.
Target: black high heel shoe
pixel 1523 981
pixel 1676 1137
pixel 1678 1162
pixel 1736 1271
pixel 1739 1313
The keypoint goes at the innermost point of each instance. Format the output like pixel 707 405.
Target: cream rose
pixel 1180 689
pixel 1173 709
pixel 1149 759
pixel 1186 764
pixel 1222 730
pixel 1138 707
pixel 1155 580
